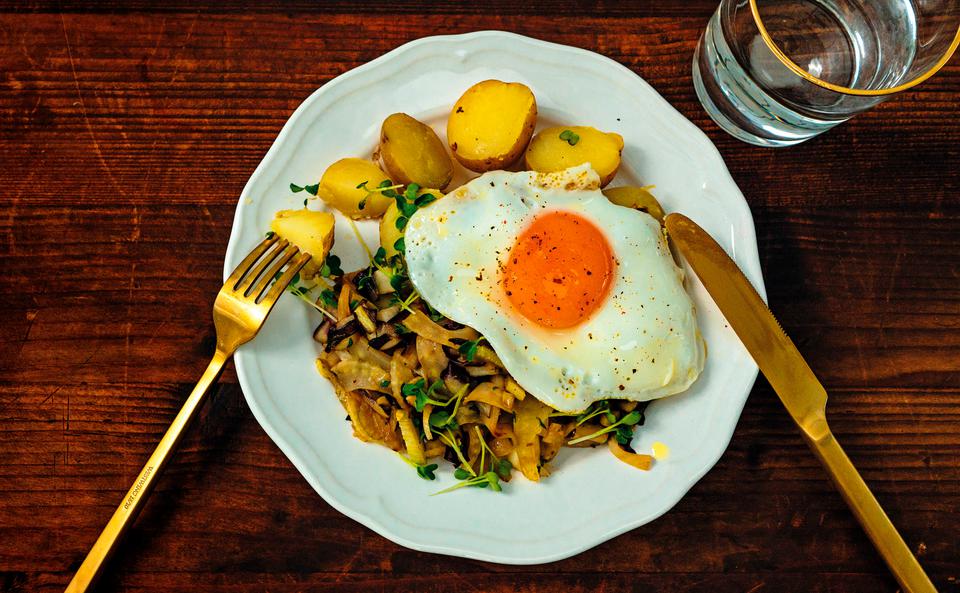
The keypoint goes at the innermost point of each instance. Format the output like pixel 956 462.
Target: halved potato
pixel 308 230
pixel 413 153
pixel 562 147
pixel 389 233
pixel 339 188
pixel 638 198
pixel 491 124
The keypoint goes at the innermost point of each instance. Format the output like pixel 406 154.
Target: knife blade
pixel 761 333
pixel 796 385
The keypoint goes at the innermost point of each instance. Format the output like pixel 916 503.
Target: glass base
pixel 738 104
pixel 726 124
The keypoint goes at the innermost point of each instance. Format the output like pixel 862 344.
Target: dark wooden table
pixel 126 135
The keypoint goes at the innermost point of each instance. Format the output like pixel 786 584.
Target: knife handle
pixel 903 564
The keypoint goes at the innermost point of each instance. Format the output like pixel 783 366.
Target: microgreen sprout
pixel 331 267
pixel 571 137
pixel 423 395
pixel 490 479
pixel 424 471
pixel 448 438
pixel 603 407
pixel 629 420
pixel 310 189
pixel 457 398
pixel 469 348
pixel 409 202
pixel 328 298
pixel 303 293
pixel 405 303
pixel 443 419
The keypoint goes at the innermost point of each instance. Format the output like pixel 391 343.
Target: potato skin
pixel 548 152
pixel 638 198
pixel 338 188
pixel 491 124
pixel 389 233
pixel 413 153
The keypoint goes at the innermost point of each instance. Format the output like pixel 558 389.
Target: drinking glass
pixel 777 72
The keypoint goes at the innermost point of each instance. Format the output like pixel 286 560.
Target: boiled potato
pixel 638 198
pixel 308 230
pixel 559 148
pixel 412 152
pixel 338 188
pixel 389 233
pixel 491 124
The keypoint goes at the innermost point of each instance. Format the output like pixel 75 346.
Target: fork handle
pixel 870 514
pixel 125 514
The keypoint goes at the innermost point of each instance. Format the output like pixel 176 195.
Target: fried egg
pixel 579 297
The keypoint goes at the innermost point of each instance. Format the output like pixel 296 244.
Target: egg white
pixel 641 343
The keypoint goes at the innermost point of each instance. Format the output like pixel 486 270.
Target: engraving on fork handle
pixel 138 486
pixel 127 512
pixel 239 311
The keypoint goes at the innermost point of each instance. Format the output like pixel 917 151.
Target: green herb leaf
pixel 331 267
pixel 503 468
pixel 443 419
pixel 423 200
pixel 269 234
pixel 628 422
pixel 400 245
pixel 385 383
pixel 365 282
pixel 461 474
pixel 397 280
pixel 469 348
pixel 411 192
pixel 434 314
pixel 413 388
pixel 408 209
pixel 426 471
pixel 295 188
pixel 362 204
pixel 422 394
pixel 401 222
pixel 624 434
pixel 380 257
pixel 570 137
pixel 312 189
pixel 363 184
pixel 328 298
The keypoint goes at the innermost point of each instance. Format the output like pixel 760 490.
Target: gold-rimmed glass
pixel 777 72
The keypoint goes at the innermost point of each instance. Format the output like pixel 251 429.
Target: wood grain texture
pixel 126 133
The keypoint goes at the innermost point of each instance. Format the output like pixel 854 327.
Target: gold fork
pixel 241 307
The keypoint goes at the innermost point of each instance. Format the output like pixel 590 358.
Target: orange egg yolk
pixel 559 271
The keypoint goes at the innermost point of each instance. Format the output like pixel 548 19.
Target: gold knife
pixel 798 388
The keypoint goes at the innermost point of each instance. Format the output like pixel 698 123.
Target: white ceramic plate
pixel 591 497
